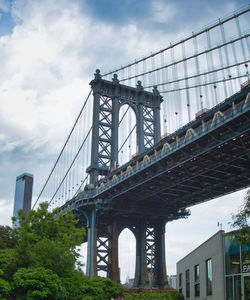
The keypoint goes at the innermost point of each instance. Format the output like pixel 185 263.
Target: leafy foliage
pixel 47 240
pixel 5 287
pixel 7 238
pixel 41 259
pixel 95 288
pixel 37 283
pixel 240 222
pixel 171 295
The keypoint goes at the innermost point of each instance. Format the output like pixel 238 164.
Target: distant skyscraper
pixel 23 193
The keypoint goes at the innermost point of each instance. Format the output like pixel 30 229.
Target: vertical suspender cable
pixel 213 76
pixel 198 92
pixel 164 100
pixel 129 75
pixel 186 80
pixel 223 71
pixel 236 62
pixel 144 82
pixel 241 41
pixel 174 86
pixel 153 68
pixel 62 150
pixel 136 73
pixel 223 35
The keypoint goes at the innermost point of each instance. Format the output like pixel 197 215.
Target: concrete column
pixel 160 274
pixel 91 269
pixel 141 273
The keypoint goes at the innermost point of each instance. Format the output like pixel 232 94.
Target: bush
pixel 84 288
pixel 37 283
pixel 172 295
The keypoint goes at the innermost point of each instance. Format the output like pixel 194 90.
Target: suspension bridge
pixel 154 137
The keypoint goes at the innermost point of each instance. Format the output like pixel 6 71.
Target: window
pixel 237 287
pixel 197 281
pixel 187 284
pixel 245 250
pixel 209 276
pixel 232 256
pixel 229 288
pixel 180 282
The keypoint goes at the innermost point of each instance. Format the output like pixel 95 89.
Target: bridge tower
pixel 103 232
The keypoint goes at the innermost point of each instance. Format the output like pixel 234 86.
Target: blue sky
pixel 48 52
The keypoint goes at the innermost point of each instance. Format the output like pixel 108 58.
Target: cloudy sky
pixel 49 51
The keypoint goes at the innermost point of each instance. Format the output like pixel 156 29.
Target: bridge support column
pixel 160 274
pixel 91 269
pixel 113 272
pixel 141 273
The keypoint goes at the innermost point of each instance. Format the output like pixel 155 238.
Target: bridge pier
pixel 141 273
pixel 150 268
pixel 114 272
pixel 102 249
pixel 91 269
pixel 102 255
pixel 160 274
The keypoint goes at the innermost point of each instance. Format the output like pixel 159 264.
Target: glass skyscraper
pixel 23 193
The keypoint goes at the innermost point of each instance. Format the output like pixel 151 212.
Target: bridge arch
pixel 127 254
pixel 127 139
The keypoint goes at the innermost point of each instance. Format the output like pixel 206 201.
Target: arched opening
pixel 126 134
pixel 127 256
pixel 83 220
pixel 83 257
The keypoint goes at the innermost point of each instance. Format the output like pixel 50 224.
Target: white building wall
pixel 212 248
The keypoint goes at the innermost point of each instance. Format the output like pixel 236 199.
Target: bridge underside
pixel 215 164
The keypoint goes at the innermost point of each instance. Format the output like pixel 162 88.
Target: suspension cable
pixel 238 38
pixel 79 189
pixel 85 103
pixel 127 138
pixel 206 28
pixel 204 84
pixel 201 74
pixel 71 164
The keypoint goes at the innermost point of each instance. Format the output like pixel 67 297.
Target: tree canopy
pixel 241 222
pixel 39 260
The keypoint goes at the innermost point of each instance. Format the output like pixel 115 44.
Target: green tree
pixel 37 283
pixel 171 295
pixel 240 222
pixel 110 288
pixel 43 262
pixel 7 238
pixel 48 239
pixel 5 287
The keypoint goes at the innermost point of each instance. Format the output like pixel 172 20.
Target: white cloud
pixel 6 212
pixel 163 11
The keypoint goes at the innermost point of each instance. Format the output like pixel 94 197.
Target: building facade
pixel 23 193
pixel 218 269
